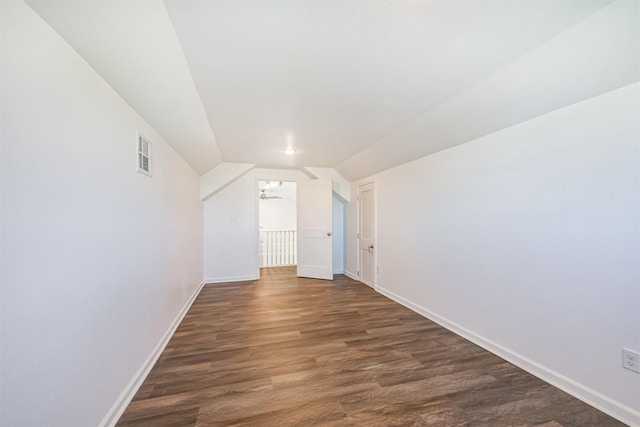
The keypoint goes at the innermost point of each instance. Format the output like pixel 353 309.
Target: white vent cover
pixel 144 155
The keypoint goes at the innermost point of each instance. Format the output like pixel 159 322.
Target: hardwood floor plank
pixel 317 412
pixel 177 418
pixel 287 351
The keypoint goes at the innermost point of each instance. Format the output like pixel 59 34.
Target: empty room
pixel 331 213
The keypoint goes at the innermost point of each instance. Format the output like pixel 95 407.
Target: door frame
pixel 268 175
pixel 375 230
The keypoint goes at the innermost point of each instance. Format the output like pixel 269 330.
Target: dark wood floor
pixel 284 351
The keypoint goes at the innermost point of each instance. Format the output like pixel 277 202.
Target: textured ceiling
pixel 360 86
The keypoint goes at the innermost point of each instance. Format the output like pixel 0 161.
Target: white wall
pixel 527 241
pixel 230 232
pixel 278 214
pixel 339 236
pixel 98 260
pixel 351 234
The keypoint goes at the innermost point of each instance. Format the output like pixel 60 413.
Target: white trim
pixel 351 275
pixel 231 279
pixel 118 408
pixel 359 185
pixel 605 404
pixel 256 227
pixel 274 175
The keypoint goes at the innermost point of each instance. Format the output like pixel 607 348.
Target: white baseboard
pixel 605 404
pixel 130 390
pixel 231 279
pixel 351 275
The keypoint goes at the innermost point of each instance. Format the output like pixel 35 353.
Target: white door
pixel 366 246
pixel 315 257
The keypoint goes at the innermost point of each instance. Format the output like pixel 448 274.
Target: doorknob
pixel 329 234
pixel 371 247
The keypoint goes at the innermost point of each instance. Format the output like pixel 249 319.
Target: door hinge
pixel 358 235
pixel 358 197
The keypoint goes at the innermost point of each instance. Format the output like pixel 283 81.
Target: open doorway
pixel 277 222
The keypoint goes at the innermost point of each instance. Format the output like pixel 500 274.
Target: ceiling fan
pixel 263 195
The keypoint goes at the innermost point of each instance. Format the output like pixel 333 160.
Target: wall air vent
pixel 144 155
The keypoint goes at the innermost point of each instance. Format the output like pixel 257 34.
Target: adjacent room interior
pixel 278 223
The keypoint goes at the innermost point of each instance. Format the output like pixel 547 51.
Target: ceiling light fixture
pixel 289 151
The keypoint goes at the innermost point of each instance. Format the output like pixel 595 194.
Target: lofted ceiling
pixel 359 86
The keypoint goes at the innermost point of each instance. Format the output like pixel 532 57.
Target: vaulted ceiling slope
pixel 360 86
pixel 133 46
